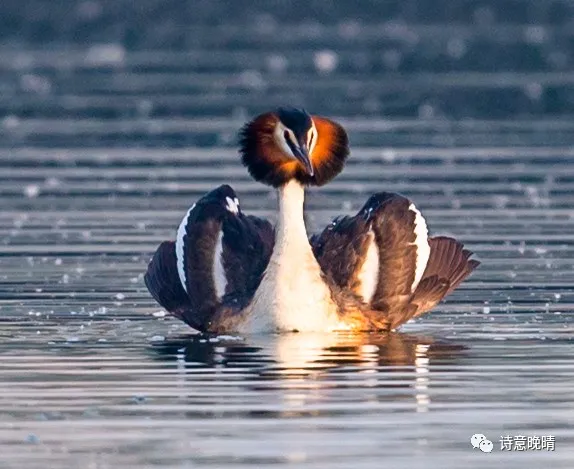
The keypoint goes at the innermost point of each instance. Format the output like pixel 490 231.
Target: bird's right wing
pixel 219 253
pixel 384 256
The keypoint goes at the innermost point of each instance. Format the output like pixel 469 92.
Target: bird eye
pixel 286 136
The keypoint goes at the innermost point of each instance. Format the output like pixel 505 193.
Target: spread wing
pixel 219 255
pixel 384 256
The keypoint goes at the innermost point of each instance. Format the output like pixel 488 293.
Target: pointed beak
pixel 302 154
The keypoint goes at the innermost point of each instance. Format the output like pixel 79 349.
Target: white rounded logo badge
pixel 486 446
pixel 478 440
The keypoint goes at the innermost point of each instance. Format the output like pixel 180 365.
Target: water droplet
pixel 533 91
pixel 10 122
pixel 277 63
pixel 392 59
pixel 106 54
pixel 33 439
pixel 456 48
pixel 426 111
pixel 326 61
pixel 32 191
pixel 535 34
pixel 252 79
pixel 35 84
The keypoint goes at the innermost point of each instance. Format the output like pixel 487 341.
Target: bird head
pixel 289 143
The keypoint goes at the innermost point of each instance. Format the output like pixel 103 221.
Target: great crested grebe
pixel 230 272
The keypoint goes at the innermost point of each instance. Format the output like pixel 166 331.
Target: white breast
pixel 292 294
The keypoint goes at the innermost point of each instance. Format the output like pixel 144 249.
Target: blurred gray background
pixel 453 59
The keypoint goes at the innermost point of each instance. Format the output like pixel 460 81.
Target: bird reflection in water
pixel 307 353
pixel 307 371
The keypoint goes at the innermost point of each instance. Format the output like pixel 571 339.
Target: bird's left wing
pixel 217 260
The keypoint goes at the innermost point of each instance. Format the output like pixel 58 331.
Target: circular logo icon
pixel 476 439
pixel 486 446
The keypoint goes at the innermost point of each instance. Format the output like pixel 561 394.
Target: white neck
pixel 292 294
pixel 291 225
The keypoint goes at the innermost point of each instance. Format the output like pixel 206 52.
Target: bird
pixel 228 272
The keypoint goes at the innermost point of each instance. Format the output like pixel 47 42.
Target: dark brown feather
pixel 394 227
pixel 449 260
pixel 427 295
pixel 199 249
pixel 162 281
pixel 247 245
pixel 448 265
pixel 341 248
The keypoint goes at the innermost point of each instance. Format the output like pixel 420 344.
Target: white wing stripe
pixel 368 275
pixel 179 243
pixel 422 244
pixel 218 271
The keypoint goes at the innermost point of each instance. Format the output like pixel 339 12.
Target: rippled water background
pixel 116 116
